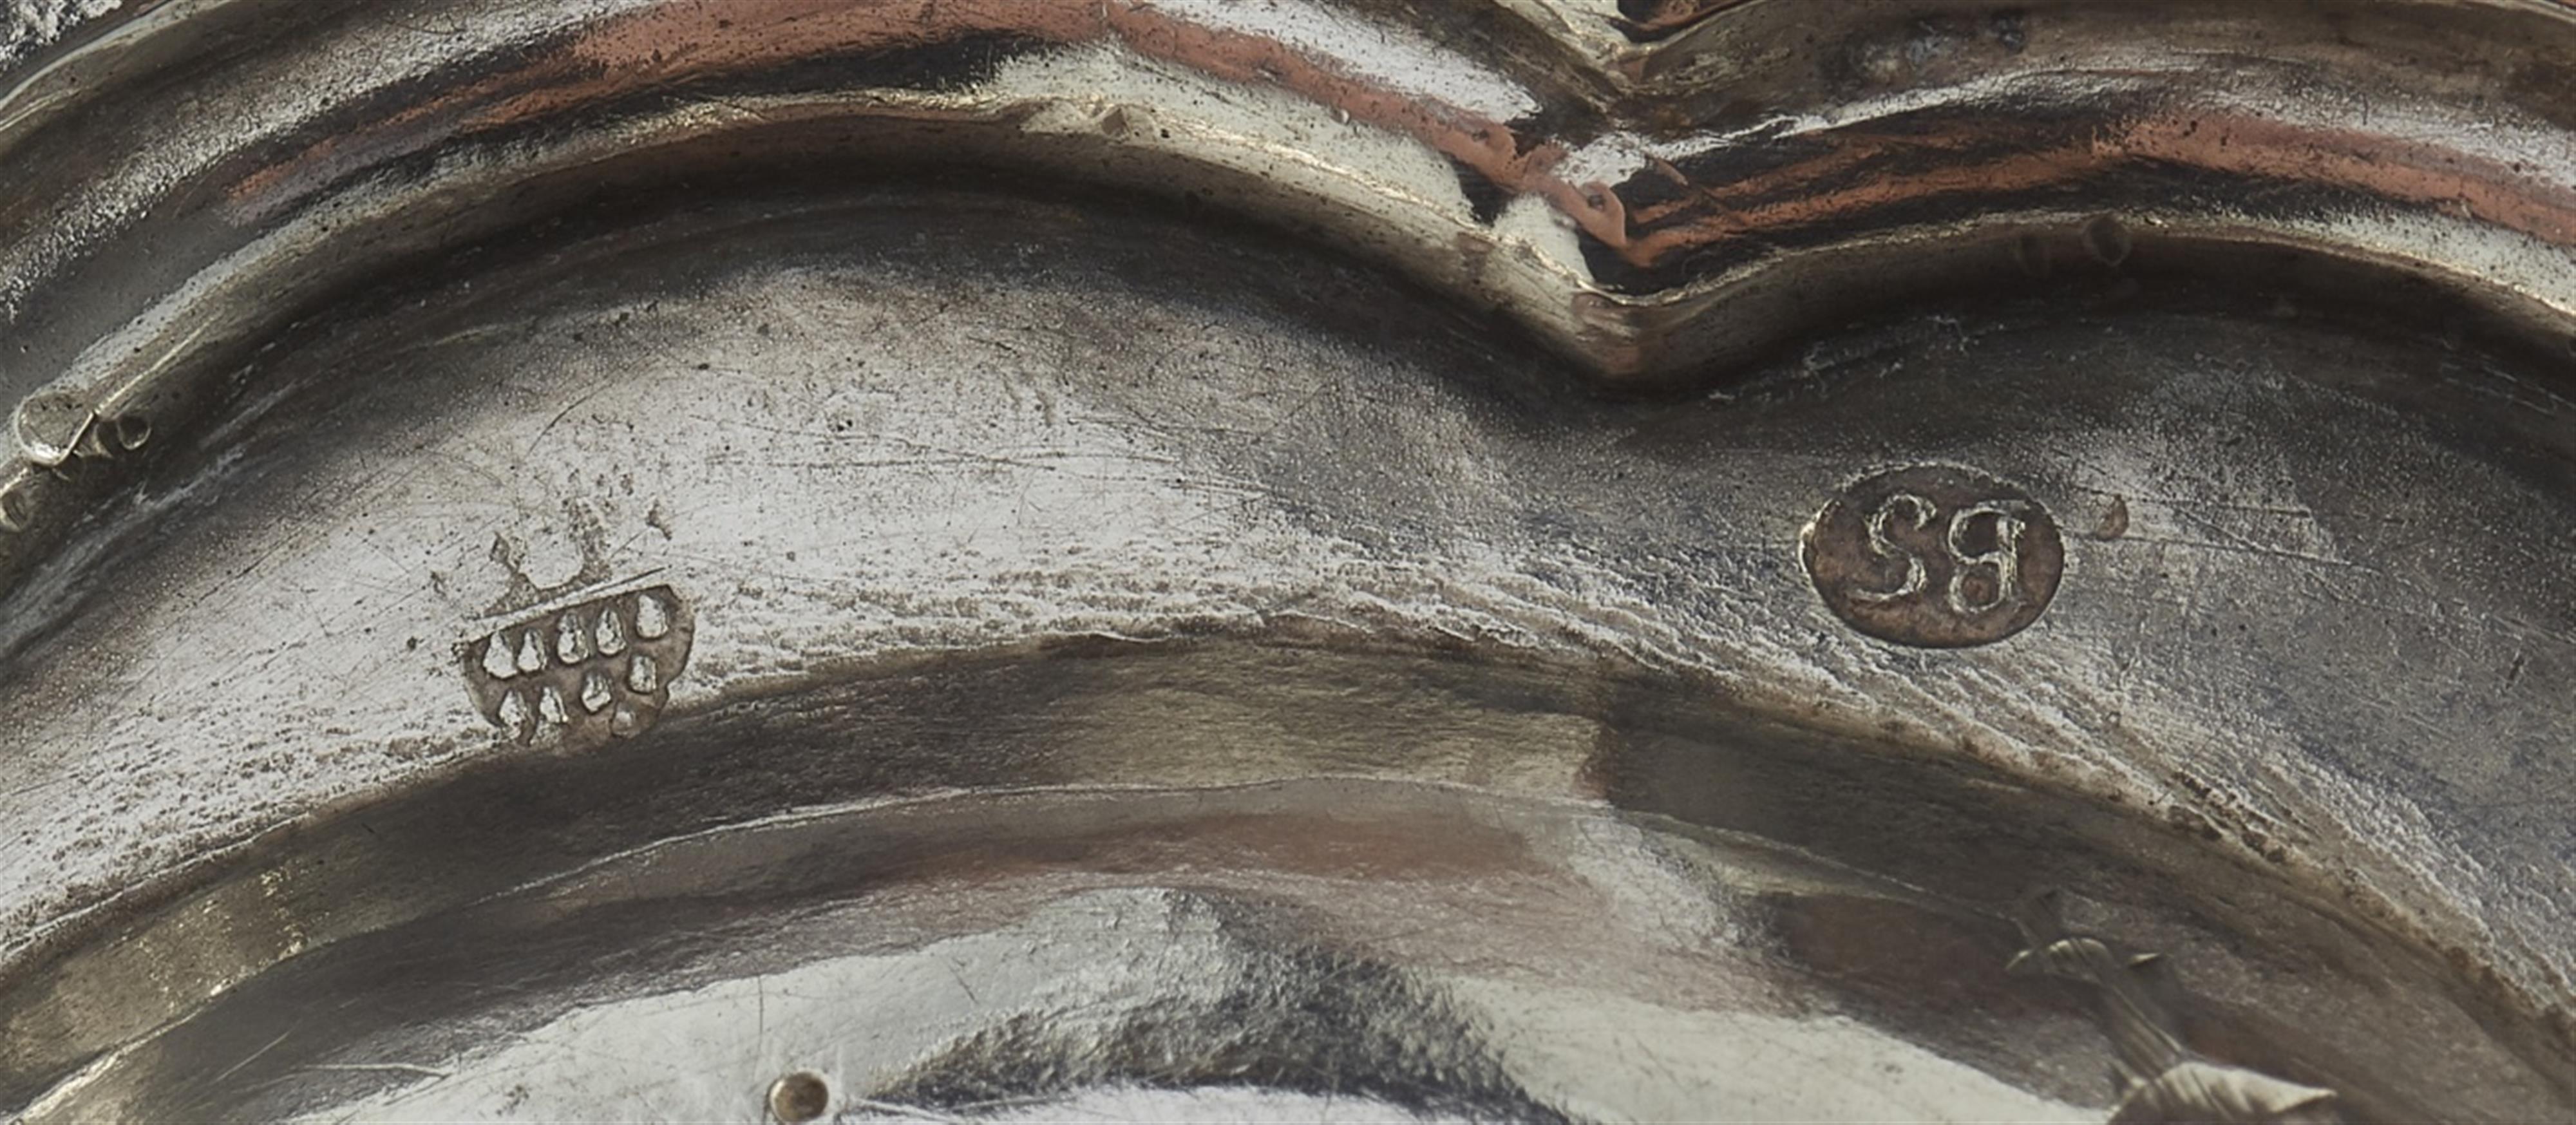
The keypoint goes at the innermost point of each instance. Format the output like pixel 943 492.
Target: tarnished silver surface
pixel 1014 558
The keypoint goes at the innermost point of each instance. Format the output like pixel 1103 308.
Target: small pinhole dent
pixel 2031 254
pixel 15 508
pixel 799 1097
pixel 132 430
pixel 2108 240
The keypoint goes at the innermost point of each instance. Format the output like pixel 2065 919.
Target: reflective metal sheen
pixel 797 560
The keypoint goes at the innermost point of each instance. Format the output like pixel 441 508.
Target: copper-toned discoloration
pixel 1864 170
pixel 1865 173
pixel 674 44
pixel 1934 556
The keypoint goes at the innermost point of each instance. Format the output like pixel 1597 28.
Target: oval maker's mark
pixel 1935 556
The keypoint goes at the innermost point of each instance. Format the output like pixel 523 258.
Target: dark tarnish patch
pixel 958 63
pixel 1485 198
pixel 1296 1017
pixel 1648 21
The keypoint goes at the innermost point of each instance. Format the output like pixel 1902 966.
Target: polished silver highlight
pixel 1320 559
pixel 523 673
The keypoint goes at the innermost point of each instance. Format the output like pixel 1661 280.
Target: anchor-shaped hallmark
pixel 2160 1080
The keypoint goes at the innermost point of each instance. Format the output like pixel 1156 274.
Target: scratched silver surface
pixel 1196 605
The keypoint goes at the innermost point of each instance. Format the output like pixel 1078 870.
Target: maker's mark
pixel 597 667
pixel 1935 556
